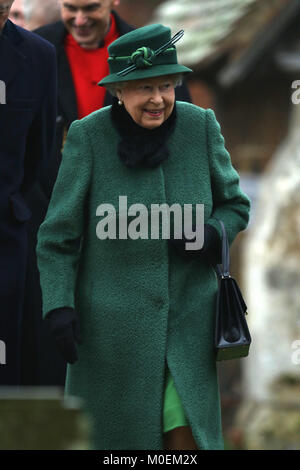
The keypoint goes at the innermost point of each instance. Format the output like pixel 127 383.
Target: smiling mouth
pixel 154 113
pixel 83 31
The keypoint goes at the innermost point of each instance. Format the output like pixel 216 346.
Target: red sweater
pixel 88 67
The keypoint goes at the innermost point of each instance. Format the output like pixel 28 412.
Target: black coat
pixel 27 127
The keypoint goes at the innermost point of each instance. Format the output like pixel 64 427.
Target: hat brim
pixel 150 72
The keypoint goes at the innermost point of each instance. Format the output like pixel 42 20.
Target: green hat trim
pixel 144 62
pixel 144 56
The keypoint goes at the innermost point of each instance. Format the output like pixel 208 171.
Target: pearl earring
pixel 120 102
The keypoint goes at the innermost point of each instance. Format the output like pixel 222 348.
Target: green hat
pixel 143 53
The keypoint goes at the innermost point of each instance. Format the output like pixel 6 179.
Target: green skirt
pixel 173 414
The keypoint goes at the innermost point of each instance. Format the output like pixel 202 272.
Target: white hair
pixel 48 9
pixel 114 87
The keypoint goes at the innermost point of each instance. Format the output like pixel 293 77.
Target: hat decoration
pixel 143 56
pixel 143 53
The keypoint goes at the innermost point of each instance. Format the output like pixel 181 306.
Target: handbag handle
pixel 224 269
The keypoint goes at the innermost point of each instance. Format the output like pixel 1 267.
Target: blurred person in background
pixel 16 14
pixel 38 13
pixel 27 127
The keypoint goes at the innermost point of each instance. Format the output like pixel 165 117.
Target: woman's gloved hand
pixel 64 326
pixel 210 252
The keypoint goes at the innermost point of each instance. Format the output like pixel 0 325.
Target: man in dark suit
pixel 27 127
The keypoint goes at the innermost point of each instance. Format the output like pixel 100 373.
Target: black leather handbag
pixel 232 336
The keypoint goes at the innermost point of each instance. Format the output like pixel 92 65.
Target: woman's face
pixel 149 101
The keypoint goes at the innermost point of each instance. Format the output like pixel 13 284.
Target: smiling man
pixel 27 125
pixel 88 22
pixel 81 39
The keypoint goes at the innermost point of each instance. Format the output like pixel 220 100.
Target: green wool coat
pixel 139 304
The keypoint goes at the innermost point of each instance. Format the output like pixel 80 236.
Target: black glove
pixel 64 326
pixel 211 251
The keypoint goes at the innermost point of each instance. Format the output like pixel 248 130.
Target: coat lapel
pixel 13 59
pixel 66 92
pixel 67 104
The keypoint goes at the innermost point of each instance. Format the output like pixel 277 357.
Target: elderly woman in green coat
pixel 132 312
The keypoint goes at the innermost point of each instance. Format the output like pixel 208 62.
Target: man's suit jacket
pixel 27 130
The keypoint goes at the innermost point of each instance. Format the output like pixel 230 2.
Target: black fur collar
pixel 140 146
